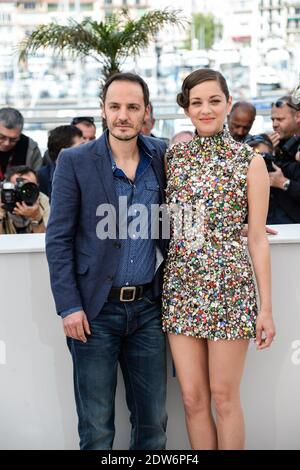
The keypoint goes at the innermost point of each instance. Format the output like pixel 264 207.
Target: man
pixel 87 126
pixel 240 120
pixel 60 138
pixel 149 122
pixel 107 286
pixel 24 218
pixel 182 136
pixel 15 147
pixel 284 207
pixel 285 125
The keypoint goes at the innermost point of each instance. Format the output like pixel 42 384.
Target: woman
pixel 209 302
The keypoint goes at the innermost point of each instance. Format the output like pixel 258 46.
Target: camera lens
pixel 28 192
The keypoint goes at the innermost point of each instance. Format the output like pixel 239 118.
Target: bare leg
pixel 190 356
pixel 226 365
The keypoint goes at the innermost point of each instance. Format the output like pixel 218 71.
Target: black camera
pixel 269 159
pixel 22 191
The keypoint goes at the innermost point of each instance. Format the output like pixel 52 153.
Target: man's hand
pixel 30 212
pixel 275 138
pixel 76 325
pixel 277 178
pixel 269 230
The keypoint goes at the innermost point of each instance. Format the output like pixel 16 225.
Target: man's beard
pixel 124 138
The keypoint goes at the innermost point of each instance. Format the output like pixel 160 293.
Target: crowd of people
pixel 119 296
pixel 20 154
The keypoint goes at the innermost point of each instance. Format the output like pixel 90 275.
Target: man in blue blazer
pixel 107 285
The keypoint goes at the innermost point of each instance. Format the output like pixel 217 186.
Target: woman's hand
pixel 269 231
pixel 264 326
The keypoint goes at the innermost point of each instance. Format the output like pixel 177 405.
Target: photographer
pixel 22 217
pixel 284 205
pixel 15 147
pixel 61 137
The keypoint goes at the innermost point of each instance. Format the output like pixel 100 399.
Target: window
pixel 52 6
pixel 108 14
pixel 29 6
pixel 5 18
pixel 107 2
pixel 86 6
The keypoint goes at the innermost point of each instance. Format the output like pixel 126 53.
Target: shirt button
pixel 131 261
pixel 127 284
pixel 117 245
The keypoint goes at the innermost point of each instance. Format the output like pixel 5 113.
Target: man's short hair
pixel 11 118
pixel 61 137
pixel 20 170
pixel 286 99
pixel 151 110
pixel 244 106
pixel 127 77
pixel 88 121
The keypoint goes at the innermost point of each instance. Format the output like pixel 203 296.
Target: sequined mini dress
pixel 209 289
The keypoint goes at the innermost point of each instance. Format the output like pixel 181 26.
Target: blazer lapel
pixel 157 165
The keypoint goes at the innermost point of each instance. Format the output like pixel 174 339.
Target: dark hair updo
pixel 196 77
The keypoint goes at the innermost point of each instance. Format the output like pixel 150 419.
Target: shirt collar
pixel 146 157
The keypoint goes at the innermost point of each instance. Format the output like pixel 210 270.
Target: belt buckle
pixel 126 289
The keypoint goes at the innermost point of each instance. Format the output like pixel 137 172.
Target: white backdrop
pixel 37 409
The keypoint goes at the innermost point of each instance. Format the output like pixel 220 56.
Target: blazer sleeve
pixel 60 235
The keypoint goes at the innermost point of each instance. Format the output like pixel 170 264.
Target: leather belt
pixel 128 293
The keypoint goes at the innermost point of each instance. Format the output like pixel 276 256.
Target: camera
pixel 290 148
pixel 22 191
pixel 269 159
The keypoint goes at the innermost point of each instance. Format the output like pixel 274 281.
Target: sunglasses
pixel 77 120
pixel 280 103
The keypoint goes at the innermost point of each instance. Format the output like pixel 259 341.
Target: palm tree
pixel 109 42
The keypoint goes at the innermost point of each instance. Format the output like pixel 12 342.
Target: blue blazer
pixel 82 266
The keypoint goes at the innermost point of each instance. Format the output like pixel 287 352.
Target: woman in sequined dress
pixel 209 300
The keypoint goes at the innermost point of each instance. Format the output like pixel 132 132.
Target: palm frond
pixel 73 38
pixel 137 35
pixel 108 42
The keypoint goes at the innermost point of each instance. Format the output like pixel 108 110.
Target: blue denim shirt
pixel 137 256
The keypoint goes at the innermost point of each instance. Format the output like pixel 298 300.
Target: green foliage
pixel 205 29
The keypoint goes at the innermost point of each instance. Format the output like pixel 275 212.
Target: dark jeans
pixel 129 333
